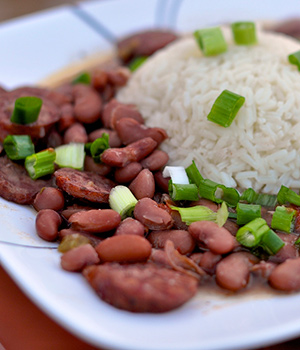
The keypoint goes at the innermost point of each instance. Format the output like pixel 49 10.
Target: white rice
pixel 176 88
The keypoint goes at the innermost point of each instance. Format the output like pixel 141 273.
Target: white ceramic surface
pixel 38 45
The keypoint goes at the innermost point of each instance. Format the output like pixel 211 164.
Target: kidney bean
pixel 54 139
pixel 49 198
pixel 130 130
pixel 289 27
pixel 115 110
pixel 114 140
pixel 130 226
pixel 216 239
pixel 118 76
pixel 156 160
pixel 67 117
pixel 124 248
pixel 151 215
pixel 162 182
pixel 209 262
pixel 88 103
pixel 47 223
pixel 143 185
pixel 95 220
pixel 72 209
pixel 233 272
pixel 231 226
pixel 99 168
pixel 134 152
pixel 181 239
pixel 76 133
pixel 128 172
pixel 99 79
pixel 288 251
pixel 143 43
pixel 78 258
pixel 286 276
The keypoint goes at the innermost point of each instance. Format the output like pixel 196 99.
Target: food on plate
pixel 174 177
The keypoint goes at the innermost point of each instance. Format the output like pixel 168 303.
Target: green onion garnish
pixel 180 192
pixel 137 62
pixel 193 174
pixel 222 215
pixel 196 213
pixel 99 146
pixel 264 199
pixel 294 58
pixel 250 235
pixel 84 78
pixel 211 41
pixel 271 242
pixel 122 200
pixel 244 33
pixel 286 195
pixel 283 218
pixel 18 146
pixel 177 173
pixel 26 110
pixel 247 213
pixel 70 156
pixel 41 163
pixel 218 193
pixel 225 108
pixel 297 243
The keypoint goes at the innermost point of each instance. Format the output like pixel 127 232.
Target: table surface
pixel 22 324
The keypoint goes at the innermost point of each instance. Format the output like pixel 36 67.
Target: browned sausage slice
pixel 141 287
pixel 15 183
pixel 84 185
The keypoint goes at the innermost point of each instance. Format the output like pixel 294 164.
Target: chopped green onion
pixel 137 62
pixel 247 213
pixel 41 163
pixel 244 33
pixel 264 199
pixel 70 156
pixel 225 108
pixel 211 41
pixel 193 174
pixel 84 78
pixel 222 215
pixel 271 242
pixel 232 215
pixel 286 195
pixel 250 235
pixel 179 192
pixel 196 213
pixel 87 148
pixel 283 218
pixel 218 193
pixel 177 173
pixel 99 146
pixel 122 200
pixel 294 58
pixel 26 110
pixel 18 146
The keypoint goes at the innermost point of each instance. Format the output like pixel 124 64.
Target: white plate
pixel 37 46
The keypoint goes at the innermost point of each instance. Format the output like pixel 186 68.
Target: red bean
pixel 286 276
pixel 209 261
pixel 118 76
pixel 49 198
pixel 143 185
pixel 216 239
pixel 88 103
pixel 47 223
pixel 288 251
pixel 78 258
pixel 130 130
pixel 162 182
pixel 182 240
pixel 124 248
pixel 156 160
pixel 114 140
pixel 128 172
pixel 95 220
pixel 67 117
pixel 233 272
pixel 76 133
pixel 134 152
pixel 99 79
pixel 130 226
pixel 151 215
pixel 99 168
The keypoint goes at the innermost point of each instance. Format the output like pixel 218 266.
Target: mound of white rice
pixel 176 88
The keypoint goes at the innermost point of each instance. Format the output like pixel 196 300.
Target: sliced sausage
pixel 84 185
pixel 141 287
